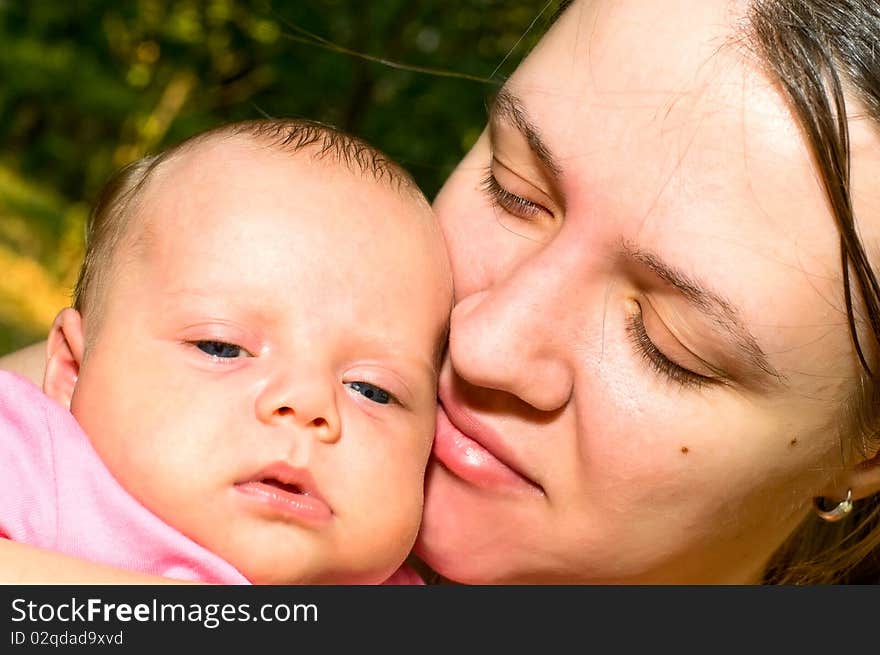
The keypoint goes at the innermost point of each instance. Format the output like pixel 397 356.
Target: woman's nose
pixel 517 336
pixel 300 400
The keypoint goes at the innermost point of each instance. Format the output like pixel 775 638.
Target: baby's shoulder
pixel 19 396
pixel 29 413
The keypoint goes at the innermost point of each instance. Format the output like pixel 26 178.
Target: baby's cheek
pixel 424 429
pixel 403 489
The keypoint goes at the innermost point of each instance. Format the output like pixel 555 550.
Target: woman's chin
pixel 449 560
pixel 458 538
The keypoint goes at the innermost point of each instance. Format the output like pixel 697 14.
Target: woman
pixel 659 371
pixel 651 373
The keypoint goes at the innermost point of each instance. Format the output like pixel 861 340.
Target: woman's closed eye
pixel 509 201
pixel 220 349
pixel 372 392
pixel 525 208
pixel 658 360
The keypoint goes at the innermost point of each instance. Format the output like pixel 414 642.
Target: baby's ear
pixel 64 353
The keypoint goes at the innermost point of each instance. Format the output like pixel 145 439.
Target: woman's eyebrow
pixel 508 108
pixel 717 308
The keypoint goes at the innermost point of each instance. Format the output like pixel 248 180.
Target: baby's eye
pixel 371 391
pixel 220 349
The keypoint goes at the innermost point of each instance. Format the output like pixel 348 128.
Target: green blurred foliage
pixel 87 86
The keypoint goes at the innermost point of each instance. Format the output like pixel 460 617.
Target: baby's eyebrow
pixel 509 108
pixel 717 308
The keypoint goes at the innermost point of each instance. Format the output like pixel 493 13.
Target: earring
pixel 843 508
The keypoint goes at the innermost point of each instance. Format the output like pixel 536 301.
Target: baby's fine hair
pixel 117 202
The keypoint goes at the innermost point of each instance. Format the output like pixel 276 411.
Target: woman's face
pixel 649 347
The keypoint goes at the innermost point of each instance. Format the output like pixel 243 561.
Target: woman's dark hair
pixel 821 52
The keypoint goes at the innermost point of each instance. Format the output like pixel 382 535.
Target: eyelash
pixel 657 360
pixel 215 342
pixel 389 397
pixel 510 202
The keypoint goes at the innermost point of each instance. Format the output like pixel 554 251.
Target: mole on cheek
pixel 793 442
pixel 685 450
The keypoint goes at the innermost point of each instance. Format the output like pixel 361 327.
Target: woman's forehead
pixel 650 62
pixel 618 40
pixel 666 109
pixel 663 115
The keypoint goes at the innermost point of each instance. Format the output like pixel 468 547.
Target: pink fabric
pixel 405 575
pixel 56 493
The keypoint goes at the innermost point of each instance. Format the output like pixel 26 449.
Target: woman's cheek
pixel 464 214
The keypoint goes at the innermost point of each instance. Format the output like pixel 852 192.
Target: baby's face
pixel 263 375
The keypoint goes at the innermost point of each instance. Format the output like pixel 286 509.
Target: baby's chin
pixel 332 576
pixel 297 566
pixel 280 553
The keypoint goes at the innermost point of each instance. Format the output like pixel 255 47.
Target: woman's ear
pixel 864 478
pixel 64 353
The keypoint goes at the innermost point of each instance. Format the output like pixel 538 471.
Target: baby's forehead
pixel 218 159
pixel 234 213
pixel 221 178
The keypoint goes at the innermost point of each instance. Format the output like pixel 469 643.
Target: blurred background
pixel 87 86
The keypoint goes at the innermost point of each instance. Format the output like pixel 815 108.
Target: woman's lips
pixel 469 458
pixel 288 493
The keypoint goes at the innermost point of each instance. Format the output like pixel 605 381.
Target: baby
pixel 252 353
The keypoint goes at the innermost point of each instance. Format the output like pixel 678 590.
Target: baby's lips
pixel 286 478
pixel 288 493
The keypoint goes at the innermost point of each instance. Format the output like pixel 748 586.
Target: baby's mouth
pixel 283 486
pixel 286 492
pixel 282 478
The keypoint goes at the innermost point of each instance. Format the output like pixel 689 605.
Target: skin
pixel 565 453
pixel 184 430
